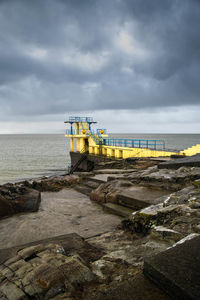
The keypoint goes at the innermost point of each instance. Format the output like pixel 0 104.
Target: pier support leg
pixel 72 144
pixel 82 144
pixel 78 145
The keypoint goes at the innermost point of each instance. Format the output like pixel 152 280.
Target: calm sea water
pixel 29 156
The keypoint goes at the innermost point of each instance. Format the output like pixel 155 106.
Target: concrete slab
pixel 177 270
pixel 190 161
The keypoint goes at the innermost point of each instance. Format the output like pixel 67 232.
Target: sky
pixel 134 65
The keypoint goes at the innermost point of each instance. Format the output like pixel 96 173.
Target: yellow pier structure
pixel 83 139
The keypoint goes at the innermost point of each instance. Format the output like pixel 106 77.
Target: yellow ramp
pixel 192 150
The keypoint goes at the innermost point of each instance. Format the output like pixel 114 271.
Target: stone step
pixel 97 180
pixel 189 161
pixel 113 171
pixel 117 209
pixel 83 189
pixel 91 184
pixel 127 200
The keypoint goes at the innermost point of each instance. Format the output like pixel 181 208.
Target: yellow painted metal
pixel 76 128
pixel 192 150
pixel 81 134
pixel 78 149
pixel 120 152
pixel 82 143
pixel 72 144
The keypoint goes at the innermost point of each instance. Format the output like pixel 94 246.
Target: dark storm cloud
pixel 59 56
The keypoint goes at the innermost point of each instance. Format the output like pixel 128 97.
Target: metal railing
pixel 81 119
pixel 97 138
pixel 84 153
pixel 135 143
pixel 98 131
pixel 77 132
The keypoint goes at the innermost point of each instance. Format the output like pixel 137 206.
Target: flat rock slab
pixel 72 243
pixel 137 288
pixel 138 197
pixel 62 212
pixel 104 177
pixel 177 270
pixel 190 161
pixel 113 171
pixel 117 209
pixel 161 159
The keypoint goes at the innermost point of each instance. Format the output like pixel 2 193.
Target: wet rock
pixel 196 183
pixel 12 292
pixel 134 287
pixel 176 270
pixel 5 207
pixel 52 273
pixel 55 184
pixel 180 218
pixel 16 198
pixel 194 205
pixel 167 178
pixel 164 233
pixel 190 161
pixel 104 192
pixel 107 192
pixel 179 212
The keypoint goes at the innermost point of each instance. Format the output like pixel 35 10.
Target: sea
pixel 26 156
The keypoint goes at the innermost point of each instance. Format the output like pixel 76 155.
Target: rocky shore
pixel 100 234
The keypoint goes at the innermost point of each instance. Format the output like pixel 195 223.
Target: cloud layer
pixel 75 55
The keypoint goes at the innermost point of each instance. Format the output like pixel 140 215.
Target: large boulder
pixel 17 198
pixel 53 184
pixel 178 215
pixel 5 207
pixel 107 192
pixel 170 179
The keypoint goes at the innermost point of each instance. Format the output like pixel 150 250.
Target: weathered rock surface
pixel 130 248
pixel 53 184
pixel 25 196
pixel 72 243
pixel 190 161
pixel 166 178
pixel 129 163
pixel 179 212
pixel 67 267
pixel 18 198
pixel 177 270
pixel 43 272
pixel 126 195
pixel 109 265
pixel 59 213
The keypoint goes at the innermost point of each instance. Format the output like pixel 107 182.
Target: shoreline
pixel 149 207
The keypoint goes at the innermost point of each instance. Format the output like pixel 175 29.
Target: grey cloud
pixel 79 63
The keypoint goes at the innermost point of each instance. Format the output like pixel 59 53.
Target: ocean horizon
pixel 26 156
